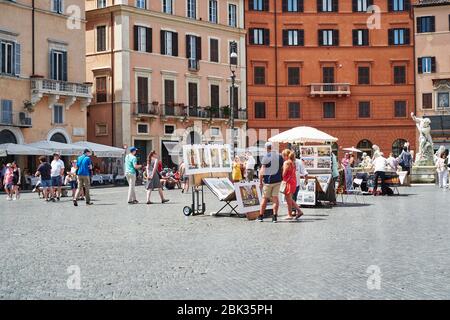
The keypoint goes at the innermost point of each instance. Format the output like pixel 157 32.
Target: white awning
pixel 101 150
pixel 21 149
pixel 175 148
pixel 64 149
pixel 303 135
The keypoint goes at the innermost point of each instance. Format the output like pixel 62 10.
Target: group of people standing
pixel 10 179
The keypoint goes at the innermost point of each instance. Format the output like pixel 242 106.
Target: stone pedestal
pixel 423 174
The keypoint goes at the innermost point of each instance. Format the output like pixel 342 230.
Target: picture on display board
pixel 324 162
pixel 207 158
pixel 324 151
pixel 215 156
pixel 316 157
pixel 309 163
pixel 226 156
pixel 205 161
pixel 191 157
pixel 248 195
pixel 307 151
pixel 221 187
pixel 307 192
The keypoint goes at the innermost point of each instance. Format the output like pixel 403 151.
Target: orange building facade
pixel 332 65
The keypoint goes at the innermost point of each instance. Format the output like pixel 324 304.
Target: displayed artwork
pixel 316 157
pixel 248 195
pixel 221 187
pixel 307 192
pixel 207 158
pixel 324 180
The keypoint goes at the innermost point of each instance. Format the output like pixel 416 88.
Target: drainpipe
pixel 113 140
pixel 276 58
pixel 32 39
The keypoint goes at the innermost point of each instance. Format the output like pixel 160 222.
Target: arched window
pixel 365 146
pixel 7 136
pixel 58 137
pixel 397 146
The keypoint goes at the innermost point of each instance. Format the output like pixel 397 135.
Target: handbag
pixel 283 187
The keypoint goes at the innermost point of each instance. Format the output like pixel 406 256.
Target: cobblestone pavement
pixel 154 252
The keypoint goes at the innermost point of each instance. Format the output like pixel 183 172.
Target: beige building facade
pixel 43 93
pixel 432 52
pixel 161 73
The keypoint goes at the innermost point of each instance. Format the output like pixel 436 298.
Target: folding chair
pixel 356 191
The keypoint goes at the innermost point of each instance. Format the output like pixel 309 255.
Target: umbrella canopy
pixel 352 149
pixel 303 135
pixel 101 150
pixel 64 149
pixel 21 149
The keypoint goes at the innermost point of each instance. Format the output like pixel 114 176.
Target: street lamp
pixel 233 58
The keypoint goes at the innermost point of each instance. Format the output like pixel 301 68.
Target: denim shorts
pixel 56 181
pixel 73 185
pixel 46 183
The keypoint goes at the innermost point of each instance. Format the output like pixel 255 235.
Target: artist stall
pixel 316 158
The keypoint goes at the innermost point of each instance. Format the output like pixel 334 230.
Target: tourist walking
pixel 379 164
pixel 405 160
pixel 331 190
pixel 250 166
pixel 131 167
pixel 84 167
pixel 184 178
pixel 72 180
pixel 236 173
pixel 153 177
pixel 301 173
pixel 270 177
pixel 8 177
pixel 17 178
pixel 44 171
pixel 289 183
pixel 57 175
pixel 442 170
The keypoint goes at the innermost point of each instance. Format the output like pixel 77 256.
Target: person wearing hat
pixel 84 167
pixel 131 168
pixel 57 175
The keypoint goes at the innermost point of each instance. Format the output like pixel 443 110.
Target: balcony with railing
pixel 15 119
pixel 55 89
pixel 330 89
pixel 146 109
pixel 174 110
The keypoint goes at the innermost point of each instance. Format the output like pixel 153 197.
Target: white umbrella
pixel 21 149
pixel 303 135
pixel 352 149
pixel 64 149
pixel 101 150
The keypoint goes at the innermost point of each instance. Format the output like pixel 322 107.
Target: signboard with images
pixel 223 188
pixel 307 193
pixel 316 157
pixel 200 158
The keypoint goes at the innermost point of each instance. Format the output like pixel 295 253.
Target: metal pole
pixel 233 76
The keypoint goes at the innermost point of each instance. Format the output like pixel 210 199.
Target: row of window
pixel 329 109
pixel 327 37
pixel 329 5
pixel 442 100
pixel 167 6
pixel 143 38
pixel 168 92
pixel 328 75
pixel 428 24
pixel 6 112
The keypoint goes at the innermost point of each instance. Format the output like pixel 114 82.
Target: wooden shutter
pixel 51 64
pixel 301 37
pixel 300 5
pixel 250 5
pixel 433 64
pixel 319 6
pixel 355 37
pixel 320 37
pixel 366 37
pixel 419 65
pixel 335 37
pixel 285 37
pixel 214 96
pixel 198 43
pixel 148 39
pixel 433 24
pixel 175 44
pixel 143 90
pixel 285 5
pixel 163 41
pixel 64 66
pixel 17 59
pixel 354 8
pixel 419 24
pixel 136 38
pixel 251 36
pixel 390 5
pixel 266 36
pixel 335 5
pixel 406 36
pixel 390 36
pixel 266 5
pixel 369 3
pixel 407 5
pixel 188 46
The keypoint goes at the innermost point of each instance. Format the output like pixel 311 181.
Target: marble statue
pixel 424 157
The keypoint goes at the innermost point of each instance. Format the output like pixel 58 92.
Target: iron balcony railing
pixel 15 119
pixel 321 89
pixel 146 109
pixel 173 110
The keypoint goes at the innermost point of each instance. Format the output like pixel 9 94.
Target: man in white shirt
pixel 379 164
pixel 250 166
pixel 57 174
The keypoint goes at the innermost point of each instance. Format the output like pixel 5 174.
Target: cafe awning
pixel 64 149
pixel 21 149
pixel 101 150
